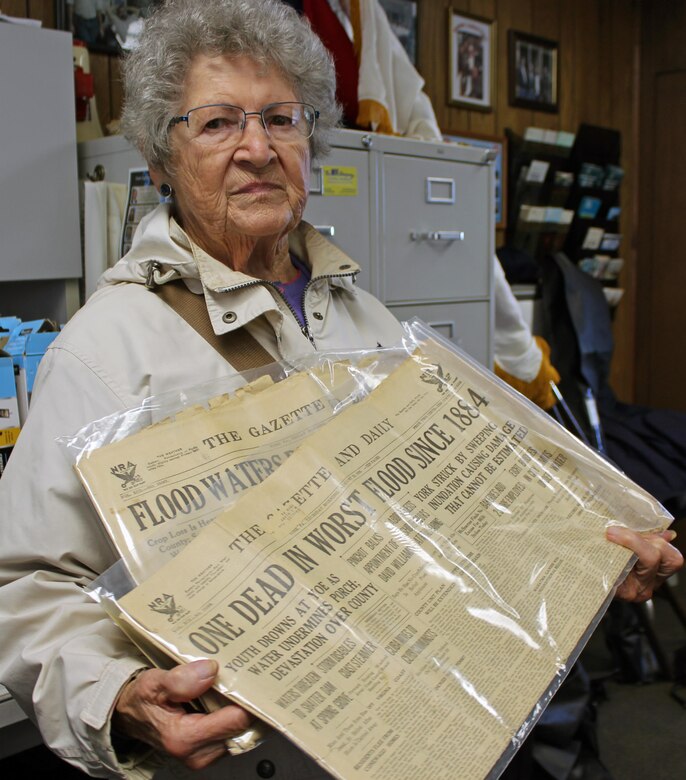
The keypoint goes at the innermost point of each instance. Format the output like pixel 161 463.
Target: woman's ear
pixel 159 179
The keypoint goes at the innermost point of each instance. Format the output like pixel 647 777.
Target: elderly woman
pixel 228 100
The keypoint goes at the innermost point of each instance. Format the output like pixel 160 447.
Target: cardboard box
pixel 26 367
pixel 9 407
pixel 7 325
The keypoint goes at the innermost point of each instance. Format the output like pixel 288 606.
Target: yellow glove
pixel 538 389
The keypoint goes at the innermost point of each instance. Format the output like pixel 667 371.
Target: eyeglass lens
pixel 225 123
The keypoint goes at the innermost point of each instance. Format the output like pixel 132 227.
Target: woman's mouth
pixel 257 188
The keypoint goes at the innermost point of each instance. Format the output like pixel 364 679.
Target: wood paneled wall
pixel 31 9
pixel 599 60
pixel 598 84
pixel 661 313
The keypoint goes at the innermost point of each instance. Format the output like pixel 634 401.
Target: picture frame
pixel 499 145
pixel 472 48
pixel 533 72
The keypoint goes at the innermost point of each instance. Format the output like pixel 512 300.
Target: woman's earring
pixel 166 190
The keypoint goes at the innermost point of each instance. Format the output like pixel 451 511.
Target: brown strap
pixel 239 348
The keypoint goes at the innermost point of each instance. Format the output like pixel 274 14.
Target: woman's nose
pixel 255 144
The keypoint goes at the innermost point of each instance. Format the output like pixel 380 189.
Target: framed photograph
pixel 472 61
pixel 402 16
pixel 533 71
pixel 499 146
pixel 108 26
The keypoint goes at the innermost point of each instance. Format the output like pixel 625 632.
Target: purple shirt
pixel 293 291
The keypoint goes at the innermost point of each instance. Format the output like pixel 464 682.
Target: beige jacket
pixel 60 656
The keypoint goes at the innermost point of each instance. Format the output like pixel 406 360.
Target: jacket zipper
pixel 304 329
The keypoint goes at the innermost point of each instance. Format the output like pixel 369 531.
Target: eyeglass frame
pixel 176 120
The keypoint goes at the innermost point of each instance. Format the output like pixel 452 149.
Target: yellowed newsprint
pixel 157 489
pixel 403 595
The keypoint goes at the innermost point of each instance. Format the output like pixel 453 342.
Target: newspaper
pixel 405 593
pixel 157 489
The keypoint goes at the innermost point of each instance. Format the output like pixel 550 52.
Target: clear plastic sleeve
pixel 116 582
pixel 405 593
pixel 160 472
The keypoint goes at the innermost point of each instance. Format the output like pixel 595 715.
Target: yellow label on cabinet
pixel 9 436
pixel 339 181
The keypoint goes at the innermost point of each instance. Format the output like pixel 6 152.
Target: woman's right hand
pixel 150 708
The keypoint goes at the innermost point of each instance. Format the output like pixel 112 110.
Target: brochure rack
pixel 565 197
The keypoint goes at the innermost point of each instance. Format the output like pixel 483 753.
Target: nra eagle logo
pixel 434 376
pixel 165 605
pixel 126 472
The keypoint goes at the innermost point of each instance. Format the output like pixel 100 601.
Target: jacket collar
pixel 325 260
pixel 159 239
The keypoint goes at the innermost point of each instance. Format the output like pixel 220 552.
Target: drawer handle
pixel 443 326
pixel 98 174
pixel 325 230
pixel 438 235
pixel 318 188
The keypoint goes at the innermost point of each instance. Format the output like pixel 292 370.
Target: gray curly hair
pixel 268 31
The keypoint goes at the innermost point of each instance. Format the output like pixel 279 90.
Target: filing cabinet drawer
pixel 436 230
pixel 467 324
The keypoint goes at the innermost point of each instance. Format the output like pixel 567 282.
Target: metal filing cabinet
pixel 346 219
pixel 417 216
pixel 437 239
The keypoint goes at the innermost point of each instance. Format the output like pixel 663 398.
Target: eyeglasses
pixel 221 123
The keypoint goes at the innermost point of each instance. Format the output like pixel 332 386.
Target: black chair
pixel 649 445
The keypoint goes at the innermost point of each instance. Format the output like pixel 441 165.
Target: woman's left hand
pixel 657 560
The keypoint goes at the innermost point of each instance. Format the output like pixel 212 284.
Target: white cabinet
pixel 417 216
pixel 39 208
pixel 114 154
